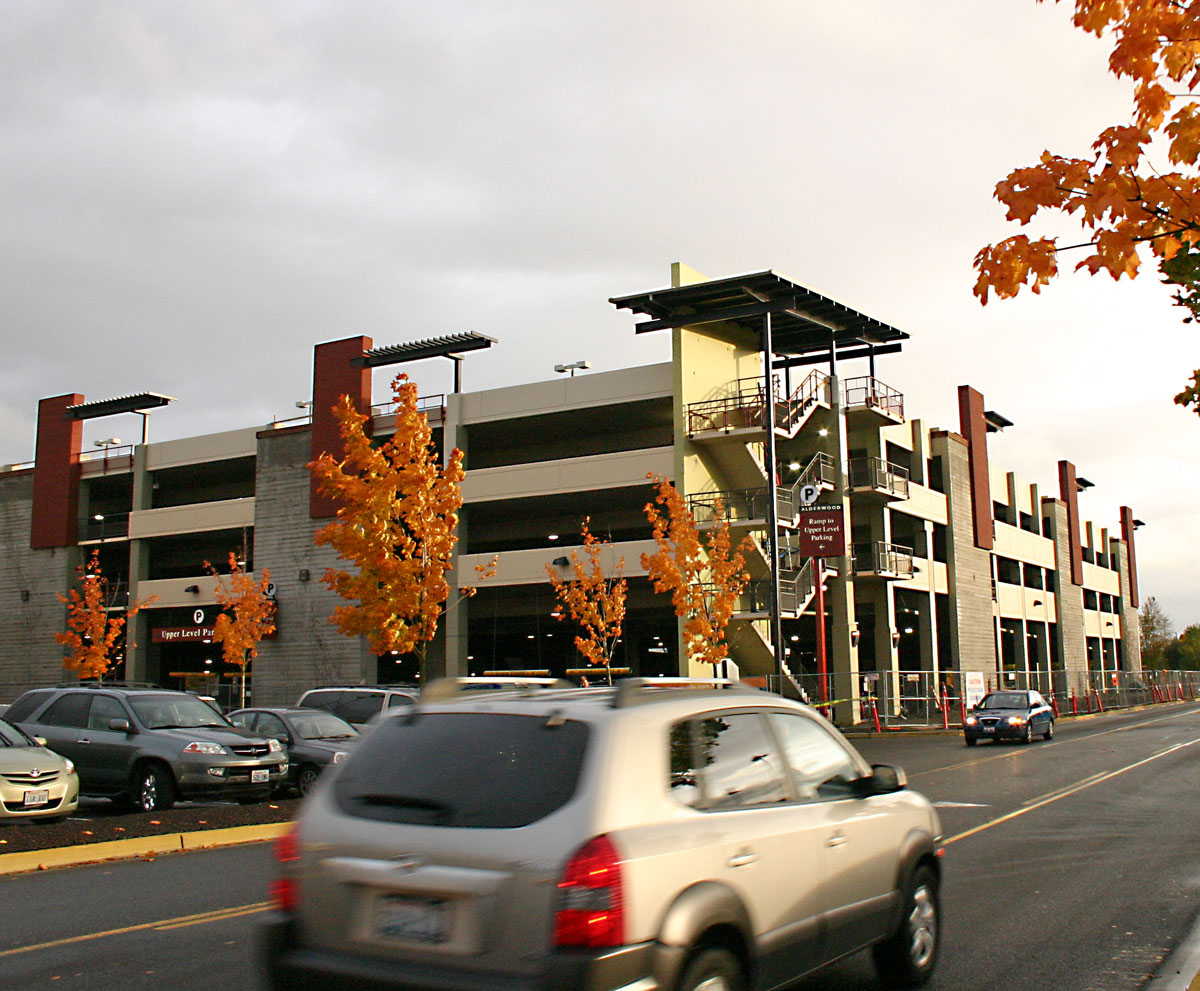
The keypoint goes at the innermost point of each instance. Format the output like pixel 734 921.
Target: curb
pixel 143 846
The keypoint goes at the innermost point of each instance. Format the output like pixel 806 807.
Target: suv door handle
pixel 837 839
pixel 743 859
pixel 83 739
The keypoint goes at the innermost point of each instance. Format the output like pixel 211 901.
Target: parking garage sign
pixel 822 532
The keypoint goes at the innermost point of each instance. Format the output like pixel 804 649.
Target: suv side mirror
pixel 884 780
pixel 120 725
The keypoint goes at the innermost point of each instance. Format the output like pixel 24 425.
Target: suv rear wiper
pixel 406 802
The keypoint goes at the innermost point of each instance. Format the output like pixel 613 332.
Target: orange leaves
pixel 1119 198
pixel 396 524
pixel 594 598
pixel 92 630
pixel 705 575
pixel 1005 267
pixel 249 615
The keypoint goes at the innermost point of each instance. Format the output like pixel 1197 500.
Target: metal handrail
pixel 877 557
pixel 868 391
pixel 738 505
pixel 107 527
pixel 878 473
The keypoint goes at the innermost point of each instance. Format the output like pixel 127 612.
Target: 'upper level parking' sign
pixel 822 532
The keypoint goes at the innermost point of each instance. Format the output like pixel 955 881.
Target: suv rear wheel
pixel 152 789
pixel 712 969
pixel 906 958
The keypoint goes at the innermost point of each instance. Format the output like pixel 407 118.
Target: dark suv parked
pixel 150 746
pixel 359 704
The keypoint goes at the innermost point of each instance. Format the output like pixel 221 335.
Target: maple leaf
pixel 1121 201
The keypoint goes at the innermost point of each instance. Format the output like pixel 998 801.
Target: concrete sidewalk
pixel 141 846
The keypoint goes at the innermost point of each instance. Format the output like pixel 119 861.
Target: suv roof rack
pixel 633 691
pixel 92 683
pixel 443 689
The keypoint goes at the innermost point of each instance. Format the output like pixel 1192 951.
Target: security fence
pixel 897 699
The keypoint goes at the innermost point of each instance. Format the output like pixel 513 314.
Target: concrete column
pixel 137 632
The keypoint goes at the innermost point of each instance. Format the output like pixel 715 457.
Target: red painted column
pixel 973 427
pixel 1127 529
pixel 56 474
pixel 1068 491
pixel 337 371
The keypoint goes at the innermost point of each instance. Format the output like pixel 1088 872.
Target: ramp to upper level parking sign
pixel 822 532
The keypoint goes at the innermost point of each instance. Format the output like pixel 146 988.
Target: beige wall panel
pixel 1021 545
pixel 529 566
pixel 568 475
pixel 923 503
pixel 1101 579
pixel 563 393
pixel 227 514
pixel 196 450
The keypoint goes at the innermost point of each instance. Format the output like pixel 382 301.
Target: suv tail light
pixel 591 908
pixel 285 889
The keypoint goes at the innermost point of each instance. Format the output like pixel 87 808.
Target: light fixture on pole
pixel 573 367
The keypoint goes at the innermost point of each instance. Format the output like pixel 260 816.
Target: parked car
pixel 35 783
pixel 659 834
pixel 314 739
pixel 150 747
pixel 1009 715
pixel 358 703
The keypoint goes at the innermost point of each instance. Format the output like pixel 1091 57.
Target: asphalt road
pixel 1073 864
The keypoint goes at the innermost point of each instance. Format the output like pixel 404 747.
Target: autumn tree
pixel 1122 200
pixel 594 598
pixel 1156 633
pixel 94 623
pixel 396 524
pixel 701 569
pixel 248 615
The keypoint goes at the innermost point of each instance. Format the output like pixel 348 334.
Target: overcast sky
pixel 194 194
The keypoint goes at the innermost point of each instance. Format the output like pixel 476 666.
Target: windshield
pixel 1005 700
pixel 317 725
pixel 11 736
pixel 174 712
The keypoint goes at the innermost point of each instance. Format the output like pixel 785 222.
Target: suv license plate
pixel 989 729
pixel 258 777
pixel 414 920
pixel 39 797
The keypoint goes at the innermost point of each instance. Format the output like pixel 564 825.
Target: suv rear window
pixel 19 711
pixel 463 769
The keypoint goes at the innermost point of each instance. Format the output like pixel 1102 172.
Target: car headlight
pixel 339 756
pixel 971 720
pixel 275 746
pixel 213 749
pixel 1015 720
pixel 68 766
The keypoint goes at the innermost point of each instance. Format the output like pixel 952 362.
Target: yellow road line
pixel 1065 792
pixel 216 915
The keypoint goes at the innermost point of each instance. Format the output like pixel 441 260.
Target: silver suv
pixel 659 835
